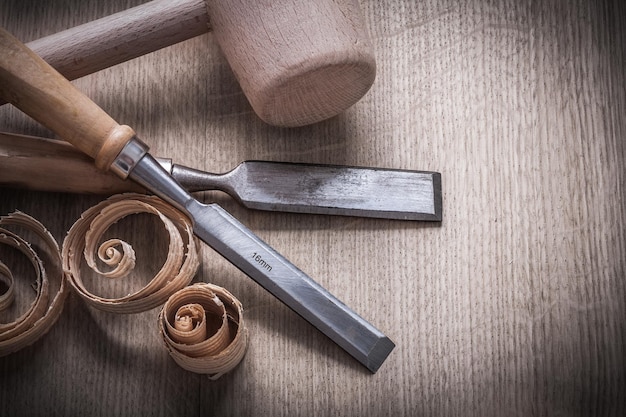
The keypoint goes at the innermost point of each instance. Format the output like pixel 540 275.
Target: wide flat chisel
pixel 37 89
pixel 52 165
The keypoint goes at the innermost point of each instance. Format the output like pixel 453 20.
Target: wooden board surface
pixel 514 305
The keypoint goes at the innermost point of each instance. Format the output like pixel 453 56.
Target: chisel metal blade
pixel 267 267
pixel 325 189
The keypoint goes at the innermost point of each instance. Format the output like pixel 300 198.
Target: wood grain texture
pixel 514 305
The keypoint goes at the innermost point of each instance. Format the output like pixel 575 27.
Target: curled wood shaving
pixel 83 237
pixel 203 328
pixel 202 325
pixel 46 308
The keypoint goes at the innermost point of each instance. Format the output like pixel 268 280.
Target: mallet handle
pixel 122 36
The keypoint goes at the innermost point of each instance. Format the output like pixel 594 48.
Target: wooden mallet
pixel 297 61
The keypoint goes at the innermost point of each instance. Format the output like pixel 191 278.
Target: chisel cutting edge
pixel 38 90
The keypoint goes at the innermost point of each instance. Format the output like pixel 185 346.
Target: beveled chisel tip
pixel 437 197
pixel 379 353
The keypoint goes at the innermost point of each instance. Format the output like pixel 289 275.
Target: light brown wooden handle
pixel 40 164
pixel 37 89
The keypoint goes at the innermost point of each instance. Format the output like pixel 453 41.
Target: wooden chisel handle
pixel 33 86
pixel 40 164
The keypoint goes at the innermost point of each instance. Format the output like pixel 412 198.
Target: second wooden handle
pixel 42 164
pixel 40 91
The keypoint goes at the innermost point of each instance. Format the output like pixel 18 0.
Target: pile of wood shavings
pixel 190 332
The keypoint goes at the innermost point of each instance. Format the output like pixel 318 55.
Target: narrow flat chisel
pixel 52 165
pixel 37 89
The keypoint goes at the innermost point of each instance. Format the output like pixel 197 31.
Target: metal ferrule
pixel 153 177
pixel 129 156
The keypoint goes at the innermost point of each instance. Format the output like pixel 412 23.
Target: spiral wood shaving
pixel 203 328
pixel 177 271
pixel 46 308
pixel 202 324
